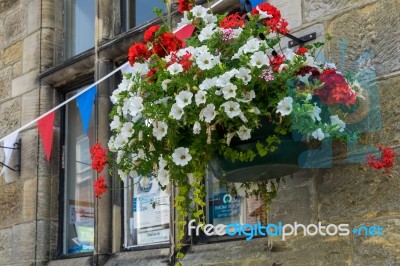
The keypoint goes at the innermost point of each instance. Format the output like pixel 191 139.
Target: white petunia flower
pixel 232 109
pixel 176 112
pixel 207 84
pixel 165 83
pixel 258 59
pixel 134 105
pixel 161 162
pixel 200 97
pixel 163 177
pixel 127 130
pixel 183 99
pixel 184 20
pixel 335 120
pixel 289 54
pixel 139 69
pixel 207 61
pixel 207 32
pixel 237 32
pixel 199 12
pixel 160 129
pixel 229 137
pixel 208 113
pixel 175 68
pixel 116 123
pixel 229 91
pixel 244 133
pixel 181 156
pixel 263 14
pixel 318 134
pixel 224 79
pixel 247 96
pixel 315 113
pixel 244 74
pixel 252 45
pixel 120 155
pixel 119 142
pixel 196 128
pixel 210 19
pixel 285 106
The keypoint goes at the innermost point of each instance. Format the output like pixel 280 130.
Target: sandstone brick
pixel 23 242
pixel 346 192
pixel 29 200
pixel 10 113
pixel 15 26
pixel 5 83
pixel 290 10
pixel 30 106
pixel 11 204
pixel 29 155
pixel 25 83
pixel 34 15
pixel 5 245
pixel 6 5
pixel 378 250
pixel 366 29
pixel 17 69
pixel 47 46
pixel 13 53
pixel 43 240
pixel 31 56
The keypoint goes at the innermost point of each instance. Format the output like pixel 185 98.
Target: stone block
pixel 11 204
pixel 378 250
pixel 23 242
pixel 6 5
pixel 34 15
pixel 367 29
pixel 30 106
pixel 13 53
pixel 47 46
pixel 43 241
pixel 389 135
pixel 15 26
pixel 29 200
pixel 25 83
pixel 346 192
pixel 290 10
pixel 5 245
pixel 10 113
pixel 29 154
pixel 5 83
pixel 17 69
pixel 31 57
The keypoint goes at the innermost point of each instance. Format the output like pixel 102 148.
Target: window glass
pixel 225 209
pixel 78 187
pixel 147 212
pixel 79 26
pixel 135 13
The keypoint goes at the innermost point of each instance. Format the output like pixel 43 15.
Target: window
pixel 78 211
pixel 135 13
pixel 79 19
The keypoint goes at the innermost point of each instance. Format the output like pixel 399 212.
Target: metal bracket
pixel 302 40
pixel 17 147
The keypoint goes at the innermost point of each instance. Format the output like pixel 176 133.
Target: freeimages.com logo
pixel 283 230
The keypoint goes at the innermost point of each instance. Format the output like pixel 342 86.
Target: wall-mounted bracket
pixel 301 40
pixel 17 154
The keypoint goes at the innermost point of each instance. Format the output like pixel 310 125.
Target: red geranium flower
pixel 385 161
pixel 335 89
pixel 138 51
pixel 98 156
pixel 275 22
pixel 277 61
pixel 185 5
pixel 166 43
pixel 307 70
pixel 302 50
pixel 150 33
pixel 100 187
pixel 232 21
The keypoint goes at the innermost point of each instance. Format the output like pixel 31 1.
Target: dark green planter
pixel 282 162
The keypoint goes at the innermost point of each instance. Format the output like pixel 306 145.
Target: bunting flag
pixel 85 105
pixel 185 32
pixel 8 143
pixel 253 4
pixel 46 130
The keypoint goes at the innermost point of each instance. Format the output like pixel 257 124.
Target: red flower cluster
pixel 150 33
pixel 277 61
pixel 98 156
pixel 275 23
pixel 232 21
pixel 100 187
pixel 386 161
pixel 138 51
pixel 335 89
pixel 184 60
pixel 301 51
pixel 305 70
pixel 166 43
pixel 185 5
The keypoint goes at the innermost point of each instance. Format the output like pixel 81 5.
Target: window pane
pixel 225 209
pixel 79 178
pixel 135 13
pixel 79 26
pixel 147 212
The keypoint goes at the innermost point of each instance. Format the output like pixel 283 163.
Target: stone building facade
pixel 34 74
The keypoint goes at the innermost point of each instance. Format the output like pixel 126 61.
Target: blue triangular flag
pixel 85 105
pixel 249 5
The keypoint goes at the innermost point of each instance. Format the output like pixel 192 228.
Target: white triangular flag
pixel 8 143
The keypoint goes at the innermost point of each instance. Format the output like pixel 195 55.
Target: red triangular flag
pixel 46 129
pixel 185 32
